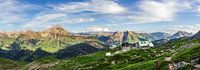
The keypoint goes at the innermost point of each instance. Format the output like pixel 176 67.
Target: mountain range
pixel 123 36
pixel 180 34
pixel 159 35
pixel 57 49
pixel 52 41
pixel 56 40
pixel 176 54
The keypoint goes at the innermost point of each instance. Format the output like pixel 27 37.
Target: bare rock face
pixel 197 35
pixel 117 36
pixel 122 37
pixel 2 35
pixel 30 34
pixel 13 34
pixel 55 32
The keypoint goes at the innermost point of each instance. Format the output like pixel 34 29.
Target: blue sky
pixel 101 15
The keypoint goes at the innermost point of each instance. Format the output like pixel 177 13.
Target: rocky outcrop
pixel 30 34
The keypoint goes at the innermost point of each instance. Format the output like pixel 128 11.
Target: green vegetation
pixel 187 54
pixel 136 59
pixel 45 60
pixel 141 59
pixel 147 65
pixel 6 64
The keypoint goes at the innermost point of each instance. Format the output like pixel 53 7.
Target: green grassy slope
pixel 138 59
pixel 143 59
pixel 6 64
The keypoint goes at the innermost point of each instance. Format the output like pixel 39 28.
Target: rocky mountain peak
pixel 183 33
pixel 125 36
pixel 55 32
pixel 131 33
pixel 30 34
pixel 117 36
pixel 180 34
pixel 56 28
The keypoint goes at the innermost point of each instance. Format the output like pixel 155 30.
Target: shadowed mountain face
pixel 196 36
pixel 76 50
pixel 68 52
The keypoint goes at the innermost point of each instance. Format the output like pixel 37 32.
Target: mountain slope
pixel 159 35
pixel 6 64
pixel 180 34
pixel 126 36
pixel 55 32
pixel 196 36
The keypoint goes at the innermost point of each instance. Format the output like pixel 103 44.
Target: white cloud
pixel 189 28
pixel 146 11
pixel 197 10
pixel 97 29
pixel 79 20
pixel 8 11
pixel 12 11
pixel 98 6
pixel 158 11
pixel 42 20
pixel 55 19
pixel 171 30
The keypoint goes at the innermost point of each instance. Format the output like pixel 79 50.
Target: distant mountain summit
pixel 117 36
pixel 196 36
pixel 180 34
pixel 159 35
pixel 130 36
pixel 56 31
pixel 126 36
